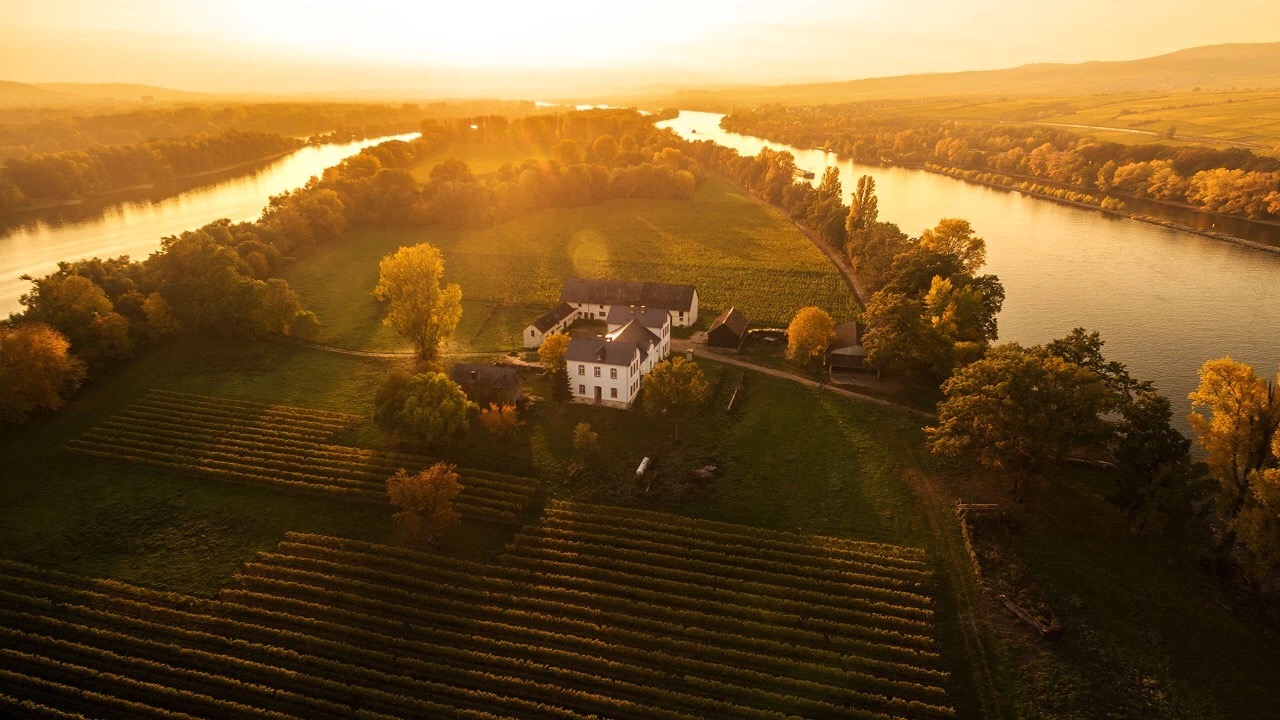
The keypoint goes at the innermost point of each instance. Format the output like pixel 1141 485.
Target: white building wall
pixel 614 390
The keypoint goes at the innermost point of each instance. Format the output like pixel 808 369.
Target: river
pixel 1164 300
pixel 38 240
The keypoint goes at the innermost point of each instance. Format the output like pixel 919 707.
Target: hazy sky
pixel 492 45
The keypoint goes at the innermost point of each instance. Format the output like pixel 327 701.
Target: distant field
pixel 483 158
pixel 1251 117
pixel 736 251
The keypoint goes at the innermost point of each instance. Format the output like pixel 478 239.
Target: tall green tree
pixel 427 409
pixel 864 208
pixel 418 306
pixel 1017 410
pixel 675 388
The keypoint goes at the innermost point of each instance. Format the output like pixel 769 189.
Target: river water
pixel 1164 300
pixel 38 240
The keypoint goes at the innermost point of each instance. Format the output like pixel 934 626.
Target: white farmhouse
pixel 607 370
pixel 594 298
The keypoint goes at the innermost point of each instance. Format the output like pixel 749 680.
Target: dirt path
pixel 681 345
pixel 395 355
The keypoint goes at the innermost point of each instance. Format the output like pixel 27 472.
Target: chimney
pixel 475 375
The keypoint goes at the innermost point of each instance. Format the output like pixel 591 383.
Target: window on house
pixel 582 369
pixel 613 392
pixel 613 373
pixel 531 332
pixel 582 389
pixel 597 371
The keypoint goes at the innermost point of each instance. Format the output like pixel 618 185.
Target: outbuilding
pixel 557 319
pixel 728 331
pixel 846 351
pixel 485 384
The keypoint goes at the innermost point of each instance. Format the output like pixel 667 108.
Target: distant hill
pixel 1215 67
pixel 122 91
pixel 15 94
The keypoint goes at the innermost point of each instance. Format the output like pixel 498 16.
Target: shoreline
pixel 1150 219
pixel 73 202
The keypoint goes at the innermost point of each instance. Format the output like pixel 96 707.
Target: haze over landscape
pixel 750 360
pixel 578 47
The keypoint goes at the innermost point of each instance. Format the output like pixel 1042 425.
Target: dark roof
pixel 650 317
pixel 625 292
pixel 599 351
pixel 471 374
pixel 732 319
pixel 553 316
pixel 636 334
pixel 848 335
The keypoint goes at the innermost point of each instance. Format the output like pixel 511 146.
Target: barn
pixel 728 330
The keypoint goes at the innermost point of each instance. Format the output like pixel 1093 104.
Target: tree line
pixel 45 177
pixel 24 131
pixel 1233 181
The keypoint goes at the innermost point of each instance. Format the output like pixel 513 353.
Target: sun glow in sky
pixel 314 44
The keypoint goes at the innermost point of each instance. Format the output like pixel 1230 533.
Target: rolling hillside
pixel 1216 67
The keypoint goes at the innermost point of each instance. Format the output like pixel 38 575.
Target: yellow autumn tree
pixel 425 499
pixel 37 370
pixel 418 307
pixel 500 420
pixel 809 334
pixel 1234 416
pixel 956 237
pixel 552 351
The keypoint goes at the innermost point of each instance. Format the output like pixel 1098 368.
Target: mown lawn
pixel 735 250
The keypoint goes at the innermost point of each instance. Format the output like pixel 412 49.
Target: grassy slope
pixel 736 251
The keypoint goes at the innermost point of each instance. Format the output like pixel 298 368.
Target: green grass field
pixel 735 250
pixel 1251 117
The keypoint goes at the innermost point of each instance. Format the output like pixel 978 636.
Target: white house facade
pixel 608 370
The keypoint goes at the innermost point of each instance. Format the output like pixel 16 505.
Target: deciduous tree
pixel 674 387
pixel 1234 419
pixel 426 409
pixel 552 351
pixel 1017 410
pixel 418 307
pixel 956 237
pixel 37 370
pixel 864 208
pixel 809 335
pixel 425 499
pixel 500 420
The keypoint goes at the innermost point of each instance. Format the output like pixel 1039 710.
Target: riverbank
pixel 247 165
pixel 959 174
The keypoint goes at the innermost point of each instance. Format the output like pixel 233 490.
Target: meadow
pixel 735 250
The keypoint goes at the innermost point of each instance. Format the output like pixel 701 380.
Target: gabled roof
pixel 625 292
pixel 594 350
pixel 635 334
pixel 732 319
pixel 650 317
pixel 552 317
pixel 492 376
pixel 848 335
